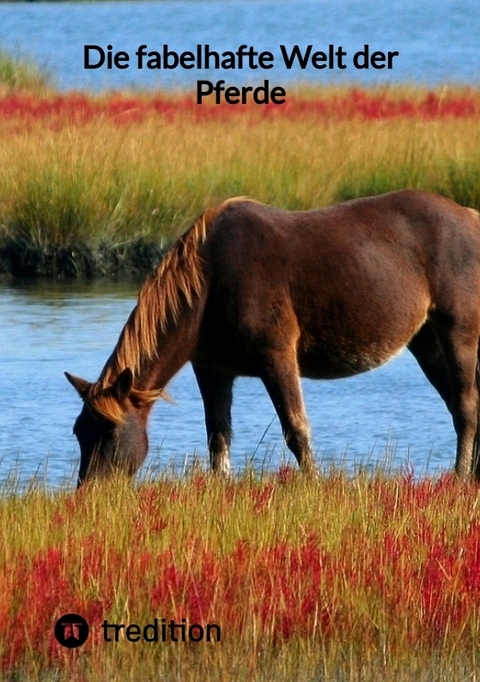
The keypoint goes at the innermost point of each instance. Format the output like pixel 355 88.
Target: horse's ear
pixel 122 385
pixel 80 385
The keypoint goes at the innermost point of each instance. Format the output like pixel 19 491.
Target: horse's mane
pixel 177 279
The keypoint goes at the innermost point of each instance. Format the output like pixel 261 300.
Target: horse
pixel 260 291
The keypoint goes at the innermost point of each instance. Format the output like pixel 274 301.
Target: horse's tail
pixel 476 443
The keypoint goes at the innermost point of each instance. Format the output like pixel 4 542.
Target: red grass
pixel 78 108
pixel 419 583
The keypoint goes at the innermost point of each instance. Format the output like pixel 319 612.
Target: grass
pixel 341 578
pixel 98 185
pixel 17 73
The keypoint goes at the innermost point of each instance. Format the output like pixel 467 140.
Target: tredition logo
pixel 71 630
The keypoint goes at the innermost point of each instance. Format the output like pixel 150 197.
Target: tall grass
pixel 22 74
pixel 341 578
pixel 85 184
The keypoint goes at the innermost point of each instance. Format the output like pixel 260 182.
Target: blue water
pixel 389 416
pixel 438 42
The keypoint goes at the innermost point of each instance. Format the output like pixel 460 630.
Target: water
pixel 437 41
pixel 53 327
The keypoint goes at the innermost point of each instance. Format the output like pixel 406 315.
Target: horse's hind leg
pixel 216 391
pixel 427 351
pixel 281 379
pixel 459 342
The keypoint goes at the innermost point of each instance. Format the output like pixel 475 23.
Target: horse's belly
pixel 318 366
pixel 337 363
pixel 352 336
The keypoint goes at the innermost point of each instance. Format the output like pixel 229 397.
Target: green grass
pixel 22 74
pixel 100 185
pixel 100 198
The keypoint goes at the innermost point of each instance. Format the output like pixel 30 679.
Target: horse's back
pixel 348 284
pixel 411 229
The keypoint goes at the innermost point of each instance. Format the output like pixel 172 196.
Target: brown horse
pixel 328 293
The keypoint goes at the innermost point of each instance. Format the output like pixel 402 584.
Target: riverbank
pixel 100 185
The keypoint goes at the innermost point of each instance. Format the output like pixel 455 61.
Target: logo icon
pixel 71 630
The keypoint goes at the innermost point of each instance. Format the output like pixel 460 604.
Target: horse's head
pixel 112 427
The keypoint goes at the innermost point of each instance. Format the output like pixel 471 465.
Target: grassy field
pixel 99 185
pixel 345 578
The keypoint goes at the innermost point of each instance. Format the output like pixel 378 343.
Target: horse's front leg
pixel 281 379
pixel 216 391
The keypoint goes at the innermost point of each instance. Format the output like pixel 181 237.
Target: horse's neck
pixel 174 350
pixel 174 345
